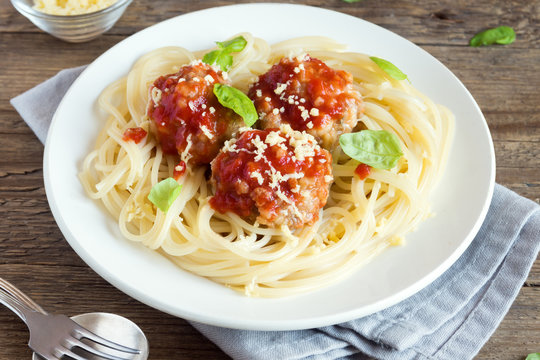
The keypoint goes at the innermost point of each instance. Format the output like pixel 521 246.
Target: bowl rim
pixel 24 8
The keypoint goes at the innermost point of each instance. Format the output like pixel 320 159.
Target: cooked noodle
pixel 361 218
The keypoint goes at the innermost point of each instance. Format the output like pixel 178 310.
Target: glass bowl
pixel 73 28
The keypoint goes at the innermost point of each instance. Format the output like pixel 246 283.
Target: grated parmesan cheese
pixel 257 175
pixel 281 88
pixel 260 147
pixel 156 96
pixel 206 132
pixel 71 7
pixel 273 138
pixel 185 155
pixel 230 146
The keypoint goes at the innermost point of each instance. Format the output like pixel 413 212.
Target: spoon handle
pixel 22 298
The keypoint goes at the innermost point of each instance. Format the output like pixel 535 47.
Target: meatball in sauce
pixel 278 176
pixel 309 96
pixel 187 117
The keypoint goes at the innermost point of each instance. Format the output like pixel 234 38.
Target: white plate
pixel 460 201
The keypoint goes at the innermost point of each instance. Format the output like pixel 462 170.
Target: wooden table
pixel 504 80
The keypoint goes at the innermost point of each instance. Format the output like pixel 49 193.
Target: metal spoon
pixel 113 327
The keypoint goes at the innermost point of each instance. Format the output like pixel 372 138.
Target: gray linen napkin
pixel 450 319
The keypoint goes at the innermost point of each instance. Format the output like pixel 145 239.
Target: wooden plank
pixel 423 22
pixel 501 80
pixel 23 75
pixel 19 147
pixel 514 126
pixel 519 332
pixel 12 123
pixel 518 154
pixel 534 275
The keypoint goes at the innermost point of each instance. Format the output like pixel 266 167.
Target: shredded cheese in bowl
pixel 71 7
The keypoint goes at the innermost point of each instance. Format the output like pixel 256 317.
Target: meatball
pixel 310 96
pixel 276 176
pixel 187 117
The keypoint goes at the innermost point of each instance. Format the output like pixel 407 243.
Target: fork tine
pixel 77 343
pixel 59 353
pixel 84 333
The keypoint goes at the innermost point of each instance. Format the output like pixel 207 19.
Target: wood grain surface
pixel 504 80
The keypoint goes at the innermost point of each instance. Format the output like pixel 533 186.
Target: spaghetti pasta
pixel 361 217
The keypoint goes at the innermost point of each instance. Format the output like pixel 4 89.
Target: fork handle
pixel 11 297
pixel 22 297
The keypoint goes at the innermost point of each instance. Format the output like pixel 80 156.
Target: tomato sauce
pixel 310 84
pixel 239 191
pixel 363 171
pixel 187 111
pixel 179 170
pixel 135 134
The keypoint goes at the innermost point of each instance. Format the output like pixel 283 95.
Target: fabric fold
pixel 37 105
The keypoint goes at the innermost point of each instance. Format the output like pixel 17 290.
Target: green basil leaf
pixel 212 57
pixel 500 35
pixel 389 68
pixel 533 356
pixel 237 101
pixel 218 57
pixel 164 193
pixel 225 62
pixel 377 148
pixel 234 45
pixel 221 56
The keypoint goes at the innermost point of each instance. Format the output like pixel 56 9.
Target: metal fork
pixel 54 336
